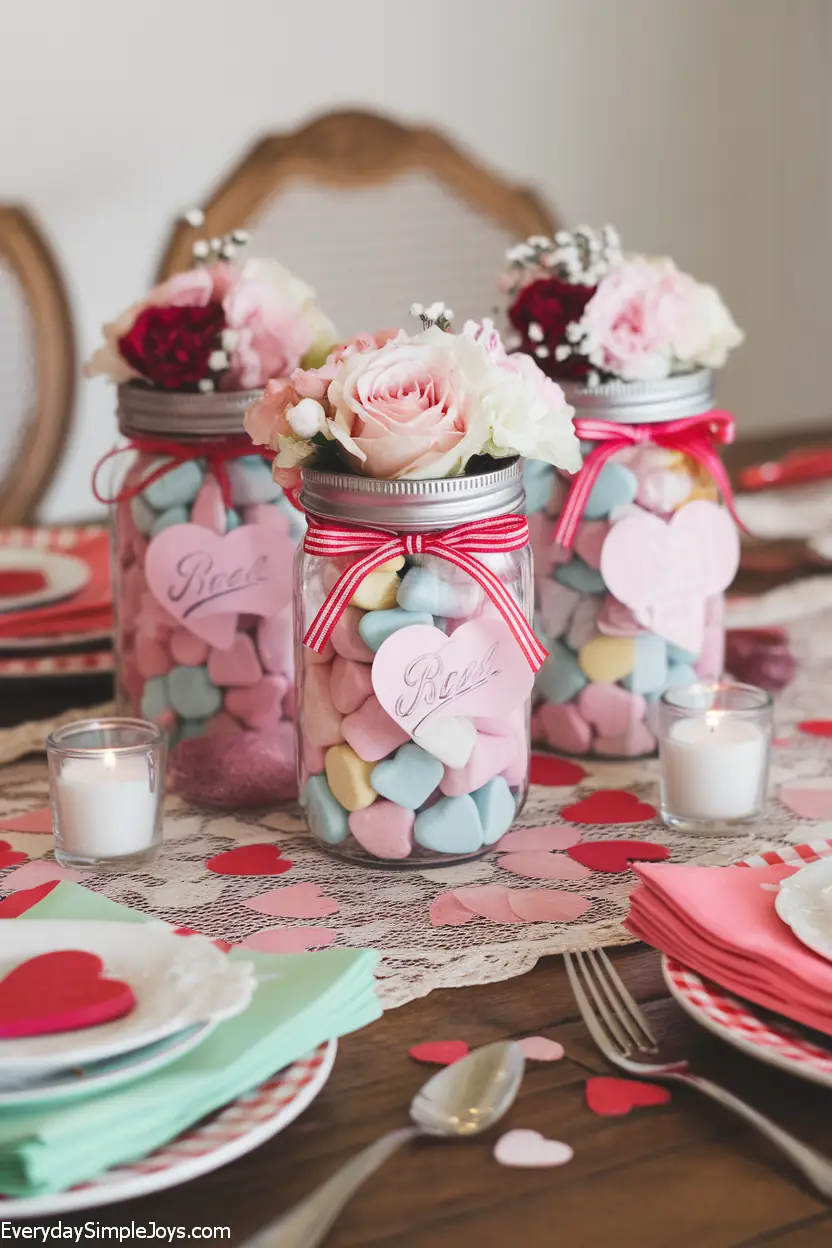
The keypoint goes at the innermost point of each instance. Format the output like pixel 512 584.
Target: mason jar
pixel 400 760
pixel 635 606
pixel 202 550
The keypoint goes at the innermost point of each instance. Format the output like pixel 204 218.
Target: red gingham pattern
pixel 57 665
pixel 63 537
pixel 776 1037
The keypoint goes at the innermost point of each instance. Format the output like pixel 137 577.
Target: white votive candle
pixel 105 806
pixel 713 767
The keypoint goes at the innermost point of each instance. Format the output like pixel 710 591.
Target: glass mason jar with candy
pixel 413 592
pixel 633 553
pixel 203 534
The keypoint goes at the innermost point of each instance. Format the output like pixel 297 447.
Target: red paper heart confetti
pixel 554 772
pixel 614 856
pixel 19 903
pixel 60 991
pixel 439 1052
pixel 10 857
pixel 39 820
pixel 259 859
pixel 609 806
pixel 816 727
pixel 224 946
pixel 612 1098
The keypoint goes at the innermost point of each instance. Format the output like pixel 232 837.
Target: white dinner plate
pixel 804 903
pixel 178 981
pixel 65 575
pixel 213 1142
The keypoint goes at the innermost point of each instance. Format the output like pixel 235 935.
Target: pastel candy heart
pixel 560 678
pixel 409 777
pixel 325 813
pixel 377 592
pixel 635 741
pixel 347 640
pixel 192 693
pixel 452 826
pixel 208 507
pixel 611 709
pixel 322 721
pixel 232 520
pixel 187 649
pixel 251 481
pixel 173 515
pixel 538 482
pixel 142 514
pixel 313 758
pixel 616 620
pixel 545 553
pixel 371 732
pixel 191 728
pixel 556 604
pixel 176 488
pixel 384 829
pixel 350 684
pixel 608 659
pixel 661 490
pixel 527 1150
pixel 237 665
pixel 496 808
pixel 221 724
pixel 152 659
pixel 152 617
pixel 275 641
pixel 155 698
pixel 589 541
pixel 260 705
pixel 624 512
pixel 376 626
pixel 649 670
pixel 615 486
pixel 677 654
pixel 564 728
pixel 451 740
pixel 516 767
pixel 348 777
pixel 513 723
pixel 580 576
pixel 423 591
pixel 314 658
pixel 584 624
pixel 487 760
pixel 678 674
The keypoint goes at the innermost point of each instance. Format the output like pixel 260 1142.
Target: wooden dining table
pixel 687 1174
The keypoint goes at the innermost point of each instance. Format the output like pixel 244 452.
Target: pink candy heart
pixel 610 708
pixel 258 705
pixel 187 648
pixel 384 829
pixel 238 665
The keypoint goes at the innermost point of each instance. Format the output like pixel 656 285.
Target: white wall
pixel 700 127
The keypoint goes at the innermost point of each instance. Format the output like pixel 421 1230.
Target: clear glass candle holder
pixel 107 785
pixel 714 746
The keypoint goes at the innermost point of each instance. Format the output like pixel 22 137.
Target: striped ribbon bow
pixel 695 436
pixel 457 546
pixel 216 453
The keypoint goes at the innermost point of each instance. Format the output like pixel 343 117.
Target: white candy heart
pixel 530 1149
pixel 450 740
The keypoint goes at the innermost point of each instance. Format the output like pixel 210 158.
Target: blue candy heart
pixel 422 590
pixel 327 817
pixel 409 777
pixel 144 517
pixel 192 693
pixel 650 671
pixel 560 679
pixel 452 826
pixel 538 483
pixel 176 488
pixel 615 486
pixel 580 576
pixel 173 515
pixel 155 698
pixel 497 808
pixel 251 481
pixel 376 626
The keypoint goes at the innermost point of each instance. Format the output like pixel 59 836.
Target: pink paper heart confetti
pixel 295 901
pixel 529 1150
pixel 545 905
pixel 39 820
pixel 546 837
pixel 288 939
pixel 489 901
pixel 446 911
pixel 811 799
pixel 540 1049
pixel 32 874
pixel 540 865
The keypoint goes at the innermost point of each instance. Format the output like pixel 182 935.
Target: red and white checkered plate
pixel 747 1027
pixel 226 1135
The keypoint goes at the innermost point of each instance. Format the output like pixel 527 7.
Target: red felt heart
pixel 616 855
pixel 15 581
pixel 439 1052
pixel 19 903
pixel 260 859
pixel 614 1097
pixel 10 857
pixel 816 727
pixel 546 769
pixel 609 806
pixel 60 991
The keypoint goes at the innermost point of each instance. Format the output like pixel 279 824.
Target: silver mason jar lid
pixel 170 413
pixel 645 402
pixel 407 506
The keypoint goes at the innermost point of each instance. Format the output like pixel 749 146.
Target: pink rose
pixel 276 320
pixel 628 321
pixel 408 409
pixel 265 420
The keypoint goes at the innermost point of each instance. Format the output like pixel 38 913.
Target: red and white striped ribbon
pixel 693 435
pixel 457 546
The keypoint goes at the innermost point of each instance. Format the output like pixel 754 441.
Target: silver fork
pixel 622 1033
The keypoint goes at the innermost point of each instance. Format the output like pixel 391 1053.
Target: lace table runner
pixel 388 909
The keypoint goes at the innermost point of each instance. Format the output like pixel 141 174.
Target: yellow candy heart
pixel 392 565
pixel 605 660
pixel 348 777
pixel 377 592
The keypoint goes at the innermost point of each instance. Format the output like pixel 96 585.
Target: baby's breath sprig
pixel 580 257
pixel 436 314
pixel 207 250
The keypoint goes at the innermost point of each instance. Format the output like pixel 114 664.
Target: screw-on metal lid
pixel 408 506
pixel 645 402
pixel 142 410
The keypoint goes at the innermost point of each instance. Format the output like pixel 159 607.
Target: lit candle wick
pixel 109 760
pixel 712 720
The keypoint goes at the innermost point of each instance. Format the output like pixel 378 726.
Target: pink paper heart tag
pixel 420 674
pixel 205 579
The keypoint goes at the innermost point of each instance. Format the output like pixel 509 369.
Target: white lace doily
pixel 388 909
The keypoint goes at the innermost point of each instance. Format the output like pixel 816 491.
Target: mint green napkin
pixel 300 1001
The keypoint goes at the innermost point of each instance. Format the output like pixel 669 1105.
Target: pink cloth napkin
pixel 721 922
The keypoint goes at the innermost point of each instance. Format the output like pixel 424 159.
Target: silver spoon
pixel 464 1099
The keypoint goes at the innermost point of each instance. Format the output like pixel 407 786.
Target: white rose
pixel 529 415
pixel 704 330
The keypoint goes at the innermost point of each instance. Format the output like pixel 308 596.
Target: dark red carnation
pixel 551 304
pixel 170 346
